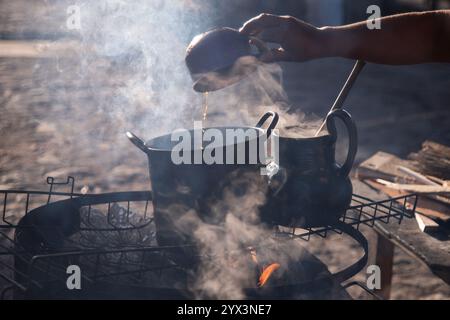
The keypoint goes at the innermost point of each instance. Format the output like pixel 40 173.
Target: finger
pixel 274 34
pixel 275 55
pixel 281 55
pixel 261 22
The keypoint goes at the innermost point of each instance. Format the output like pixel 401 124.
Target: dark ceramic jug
pixel 314 190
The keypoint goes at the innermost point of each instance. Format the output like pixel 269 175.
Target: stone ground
pixel 55 123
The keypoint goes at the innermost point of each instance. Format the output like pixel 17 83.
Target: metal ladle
pixel 357 68
pixel 221 57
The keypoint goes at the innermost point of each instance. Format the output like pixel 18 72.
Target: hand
pixel 298 40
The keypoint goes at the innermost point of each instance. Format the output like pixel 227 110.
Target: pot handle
pixel 138 142
pixel 272 124
pixel 352 137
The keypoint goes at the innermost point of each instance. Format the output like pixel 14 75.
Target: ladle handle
pixel 138 142
pixel 338 103
pixel 272 124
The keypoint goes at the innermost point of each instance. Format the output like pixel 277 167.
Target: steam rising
pixel 140 46
pixel 260 91
pixel 147 40
pixel 227 236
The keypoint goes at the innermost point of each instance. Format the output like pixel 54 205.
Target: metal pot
pixel 314 190
pixel 185 192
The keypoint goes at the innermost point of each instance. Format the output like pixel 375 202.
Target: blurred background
pixel 76 75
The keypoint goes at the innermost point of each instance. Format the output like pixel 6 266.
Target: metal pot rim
pixel 261 131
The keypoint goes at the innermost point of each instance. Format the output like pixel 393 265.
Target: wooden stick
pixel 425 223
pixel 416 188
pixel 417 176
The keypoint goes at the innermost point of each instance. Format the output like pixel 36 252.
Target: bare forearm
pixel 403 39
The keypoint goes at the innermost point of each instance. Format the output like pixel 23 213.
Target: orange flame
pixel 266 273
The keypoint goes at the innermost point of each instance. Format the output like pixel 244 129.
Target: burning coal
pixel 267 272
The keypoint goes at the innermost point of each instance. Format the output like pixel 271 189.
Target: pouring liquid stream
pixel 205 112
pixel 205 108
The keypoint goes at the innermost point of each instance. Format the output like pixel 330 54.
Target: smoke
pixel 226 232
pixel 130 59
pixel 125 70
pixel 260 91
pixel 142 45
pixel 121 69
pixel 128 62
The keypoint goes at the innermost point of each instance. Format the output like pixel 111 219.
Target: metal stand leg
pixel 385 260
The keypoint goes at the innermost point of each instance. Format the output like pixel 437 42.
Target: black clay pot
pixel 314 190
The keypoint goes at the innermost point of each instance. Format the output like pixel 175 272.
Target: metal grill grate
pixel 362 211
pixel 116 242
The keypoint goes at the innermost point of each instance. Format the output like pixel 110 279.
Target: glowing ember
pixel 267 272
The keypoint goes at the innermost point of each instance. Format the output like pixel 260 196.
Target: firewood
pixel 415 188
pixel 425 206
pixel 389 167
pixel 433 159
pixel 426 224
